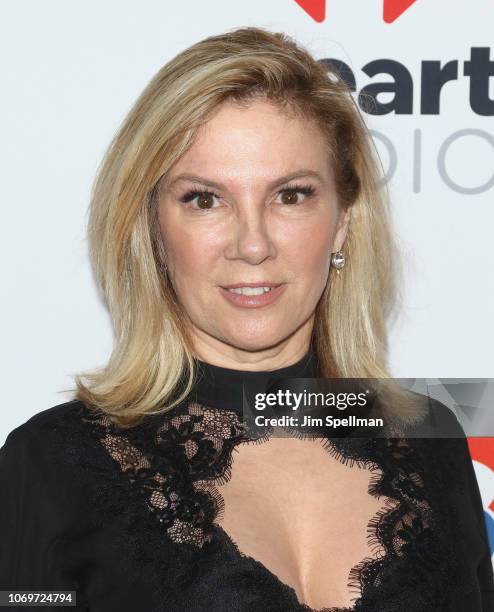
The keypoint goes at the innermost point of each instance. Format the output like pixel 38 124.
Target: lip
pixel 257 284
pixel 253 301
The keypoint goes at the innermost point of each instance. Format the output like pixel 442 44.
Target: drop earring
pixel 337 261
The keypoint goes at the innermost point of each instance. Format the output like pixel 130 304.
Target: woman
pixel 240 237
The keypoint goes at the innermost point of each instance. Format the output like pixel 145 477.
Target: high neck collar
pixel 221 387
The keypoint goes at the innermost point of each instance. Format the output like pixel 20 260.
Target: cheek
pixel 190 253
pixel 188 259
pixel 307 249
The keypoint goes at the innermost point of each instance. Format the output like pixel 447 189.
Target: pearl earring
pixel 337 261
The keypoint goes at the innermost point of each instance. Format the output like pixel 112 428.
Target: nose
pixel 250 239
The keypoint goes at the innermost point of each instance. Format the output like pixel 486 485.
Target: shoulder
pixel 50 418
pixel 437 420
pixel 444 419
pixel 35 435
pixel 444 447
pixel 54 455
pixel 441 440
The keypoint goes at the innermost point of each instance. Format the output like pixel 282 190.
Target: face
pixel 252 202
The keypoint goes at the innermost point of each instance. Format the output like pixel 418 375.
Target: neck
pixel 217 353
pixel 222 387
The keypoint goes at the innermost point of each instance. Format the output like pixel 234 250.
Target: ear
pixel 341 229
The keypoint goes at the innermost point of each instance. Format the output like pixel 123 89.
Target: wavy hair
pixel 151 367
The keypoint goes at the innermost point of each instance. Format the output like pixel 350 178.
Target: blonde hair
pixel 152 362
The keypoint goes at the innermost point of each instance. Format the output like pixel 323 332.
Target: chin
pixel 256 341
pixel 252 344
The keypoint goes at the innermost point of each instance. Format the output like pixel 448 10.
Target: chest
pixel 303 513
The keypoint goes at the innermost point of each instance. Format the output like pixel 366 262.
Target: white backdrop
pixel 71 70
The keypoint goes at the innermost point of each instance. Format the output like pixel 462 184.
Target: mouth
pixel 253 295
pixel 251 288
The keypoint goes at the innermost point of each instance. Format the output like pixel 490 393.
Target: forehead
pixel 256 140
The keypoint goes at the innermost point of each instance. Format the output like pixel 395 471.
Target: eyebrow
pixel 276 183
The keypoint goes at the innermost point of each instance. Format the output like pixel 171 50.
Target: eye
pixel 205 198
pixel 293 190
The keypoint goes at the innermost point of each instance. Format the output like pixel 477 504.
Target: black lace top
pixel 128 518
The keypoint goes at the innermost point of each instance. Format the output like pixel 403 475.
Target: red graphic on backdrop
pixel 392 9
pixel 315 8
pixel 482 450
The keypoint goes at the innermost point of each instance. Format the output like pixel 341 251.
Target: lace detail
pixel 187 451
pixel 176 466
